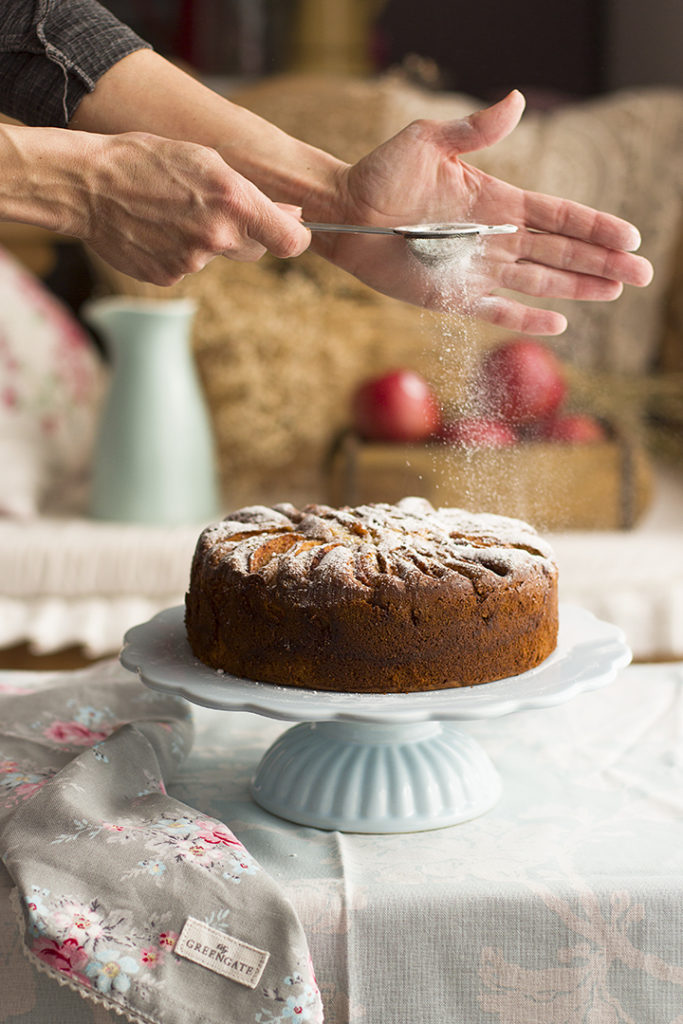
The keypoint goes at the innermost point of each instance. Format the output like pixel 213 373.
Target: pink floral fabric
pixel 108 868
pixel 51 387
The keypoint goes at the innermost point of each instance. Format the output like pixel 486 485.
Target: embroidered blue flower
pixel 111 970
pixel 154 867
pixel 12 779
pixel 89 716
pixel 239 868
pixel 292 1009
pixel 182 823
pixel 37 911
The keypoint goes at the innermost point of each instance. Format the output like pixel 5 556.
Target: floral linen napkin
pixel 131 898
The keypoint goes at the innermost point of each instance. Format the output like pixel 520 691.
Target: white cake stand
pixel 380 763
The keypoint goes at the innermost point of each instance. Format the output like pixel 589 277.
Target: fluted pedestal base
pixel 369 777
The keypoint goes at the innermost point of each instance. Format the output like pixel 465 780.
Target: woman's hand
pixel 562 249
pixel 158 209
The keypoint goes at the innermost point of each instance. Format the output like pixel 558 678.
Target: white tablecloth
pixel 562 905
pixel 77 581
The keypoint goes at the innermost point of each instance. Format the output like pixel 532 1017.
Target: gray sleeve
pixel 52 52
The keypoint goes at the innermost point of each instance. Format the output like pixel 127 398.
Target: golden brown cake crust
pixel 378 598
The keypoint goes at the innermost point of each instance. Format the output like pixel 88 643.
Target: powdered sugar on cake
pixel 404 541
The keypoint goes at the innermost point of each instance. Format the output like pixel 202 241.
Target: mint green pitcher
pixel 154 459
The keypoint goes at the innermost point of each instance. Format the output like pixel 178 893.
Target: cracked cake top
pixel 396 545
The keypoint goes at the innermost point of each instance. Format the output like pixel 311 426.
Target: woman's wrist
pixel 284 168
pixel 43 177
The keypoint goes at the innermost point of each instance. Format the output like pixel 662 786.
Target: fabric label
pixel 221 953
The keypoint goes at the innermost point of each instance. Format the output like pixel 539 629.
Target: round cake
pixel 378 598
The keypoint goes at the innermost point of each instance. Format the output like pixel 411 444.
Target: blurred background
pixel 578 49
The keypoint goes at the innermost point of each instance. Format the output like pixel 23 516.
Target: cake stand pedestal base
pixel 378 778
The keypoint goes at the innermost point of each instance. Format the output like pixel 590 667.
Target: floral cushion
pixel 51 385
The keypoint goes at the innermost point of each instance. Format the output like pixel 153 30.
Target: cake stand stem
pixel 376 777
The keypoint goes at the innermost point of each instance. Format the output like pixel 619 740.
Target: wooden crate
pixel 601 486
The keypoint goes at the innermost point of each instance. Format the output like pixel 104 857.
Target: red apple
pixel 575 428
pixel 477 433
pixel 398 406
pixel 522 382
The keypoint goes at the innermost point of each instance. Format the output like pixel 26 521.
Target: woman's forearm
pixel 43 177
pixel 144 92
